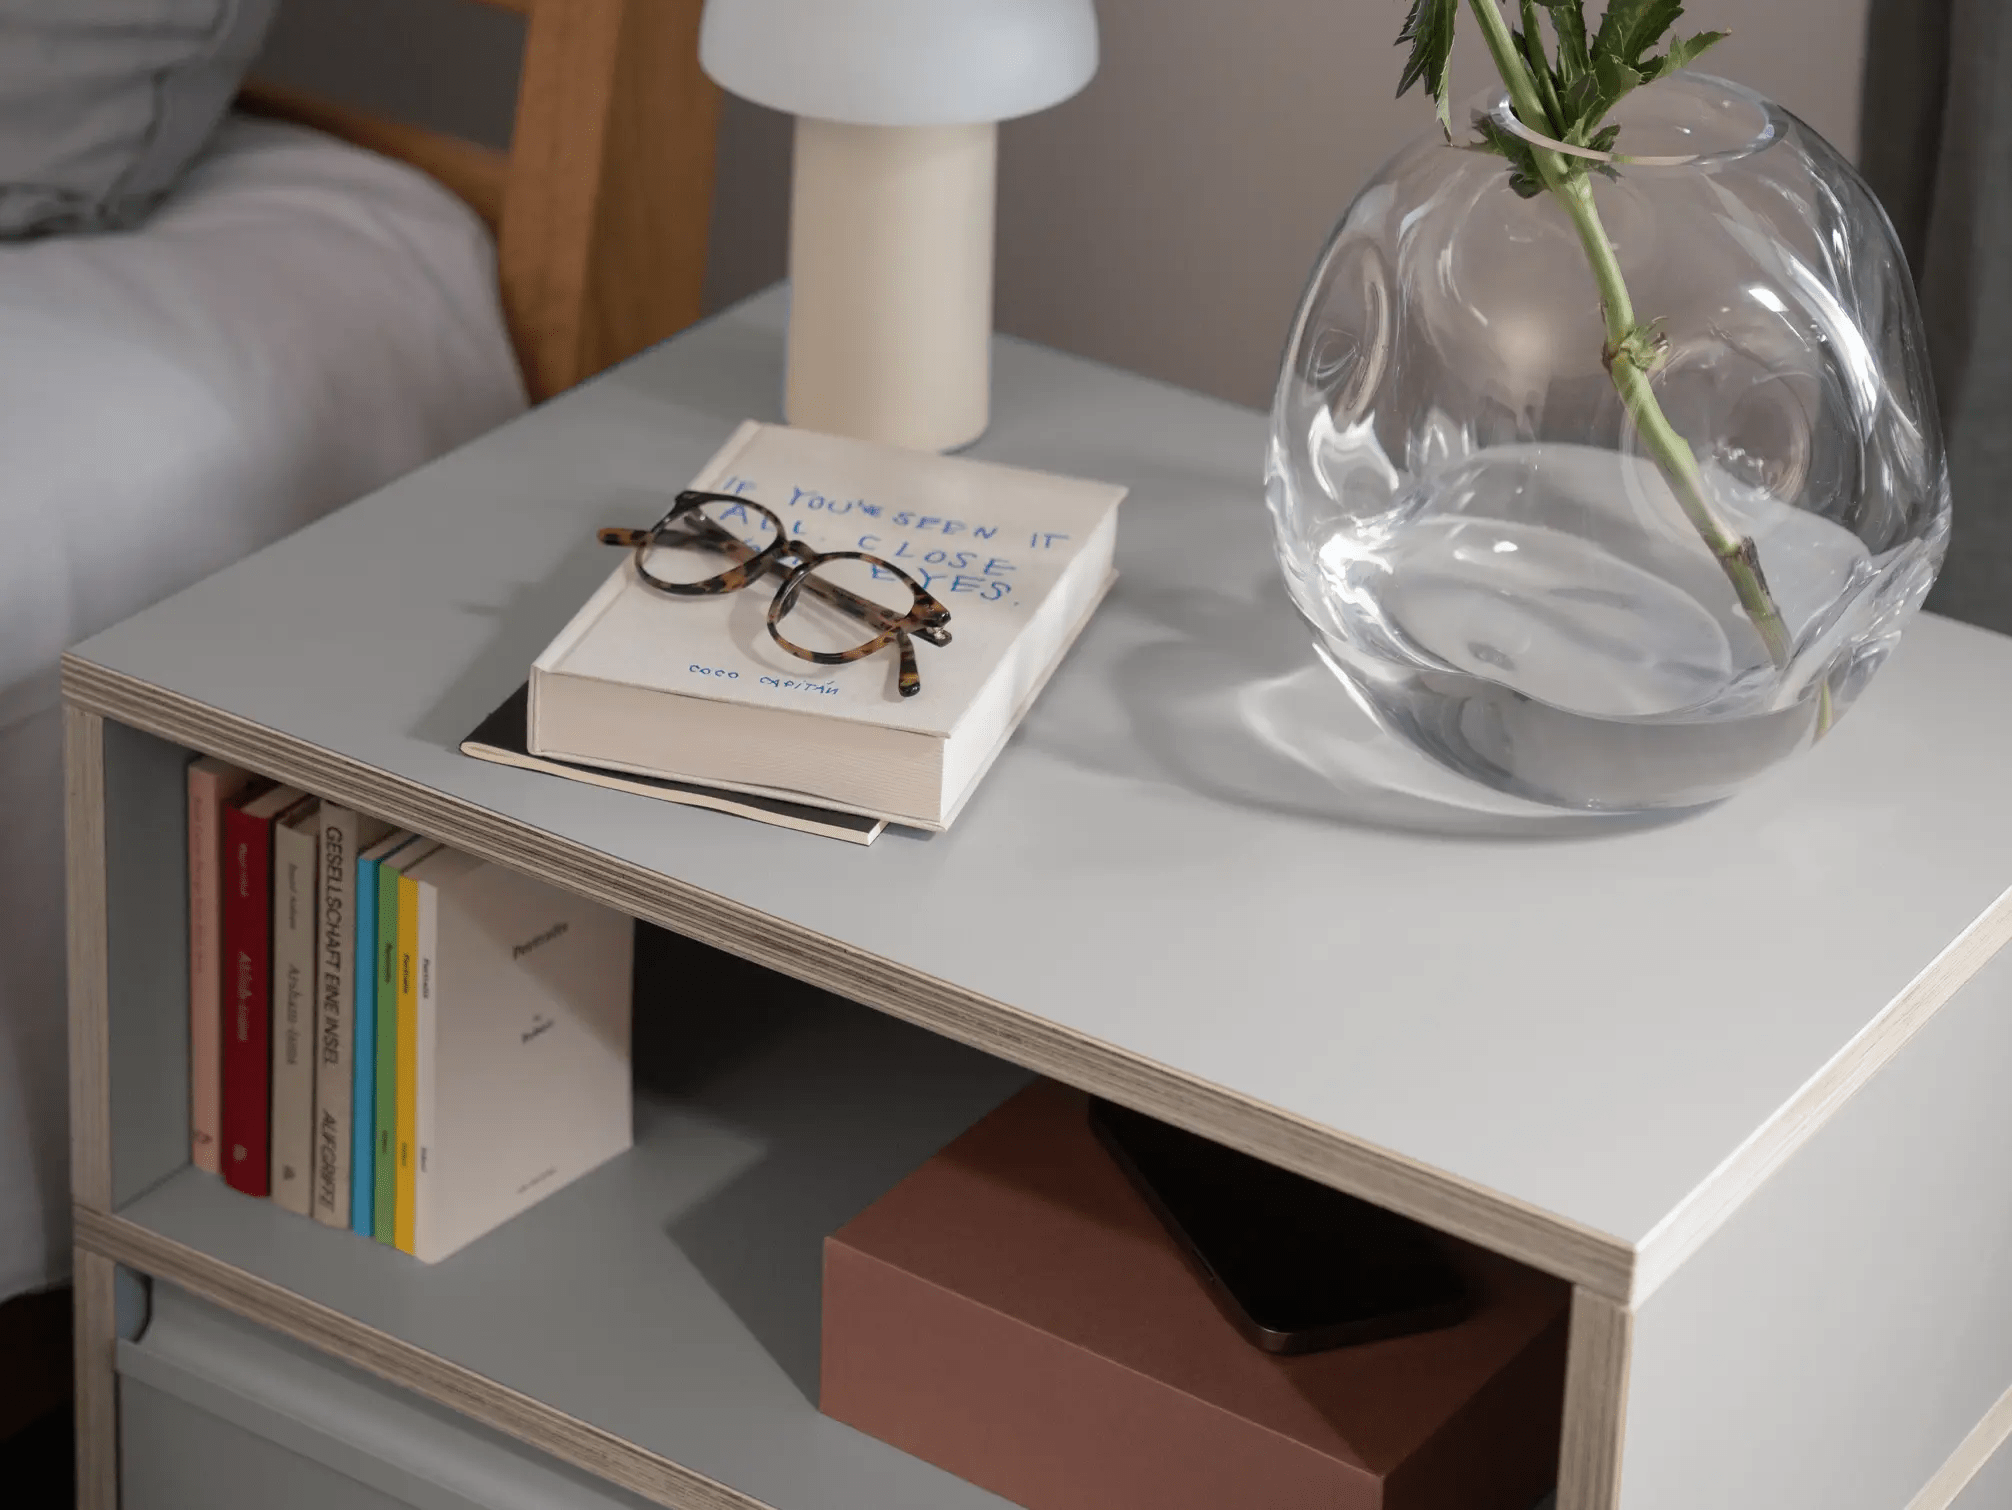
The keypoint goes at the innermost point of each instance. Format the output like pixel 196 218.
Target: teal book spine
pixel 384 1167
pixel 363 1056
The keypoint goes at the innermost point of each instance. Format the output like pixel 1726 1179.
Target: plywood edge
pixel 1726 1189
pixel 1964 1464
pixel 95 1337
pixel 1596 1403
pixel 113 1238
pixel 84 884
pixel 1593 1260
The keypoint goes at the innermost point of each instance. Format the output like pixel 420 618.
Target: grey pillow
pixel 104 103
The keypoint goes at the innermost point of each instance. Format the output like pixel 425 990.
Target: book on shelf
pixel 245 1119
pixel 522 1033
pixel 405 1102
pixel 212 784
pixel 295 867
pixel 363 1023
pixel 341 831
pixel 419 1045
pixel 694 689
pixel 384 1147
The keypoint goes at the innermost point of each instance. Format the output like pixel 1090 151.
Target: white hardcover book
pixel 295 865
pixel 345 834
pixel 694 689
pixel 523 1046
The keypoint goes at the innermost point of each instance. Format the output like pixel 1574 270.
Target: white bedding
pixel 300 323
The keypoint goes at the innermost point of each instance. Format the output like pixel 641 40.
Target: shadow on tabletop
pixel 529 615
pixel 1225 695
pixel 843 1101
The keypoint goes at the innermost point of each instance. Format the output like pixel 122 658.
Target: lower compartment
pixel 217 1413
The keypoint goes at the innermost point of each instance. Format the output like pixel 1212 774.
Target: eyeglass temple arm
pixel 730 544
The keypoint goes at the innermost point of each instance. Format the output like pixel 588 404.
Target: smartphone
pixel 1295 1266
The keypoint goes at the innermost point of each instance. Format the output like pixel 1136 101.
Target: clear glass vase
pixel 1494 559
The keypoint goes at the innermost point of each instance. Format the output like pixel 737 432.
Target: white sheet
pixel 301 323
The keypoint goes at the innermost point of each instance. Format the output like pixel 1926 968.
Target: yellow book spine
pixel 404 1205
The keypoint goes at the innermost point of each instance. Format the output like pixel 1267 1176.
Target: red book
pixel 247 960
pixel 213 785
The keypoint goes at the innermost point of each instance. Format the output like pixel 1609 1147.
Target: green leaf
pixel 1604 140
pixel 1530 42
pixel 1596 93
pixel 1631 27
pixel 1429 31
pixel 1524 176
pixel 1568 20
pixel 1682 54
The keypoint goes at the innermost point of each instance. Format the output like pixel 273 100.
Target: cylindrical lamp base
pixel 890 262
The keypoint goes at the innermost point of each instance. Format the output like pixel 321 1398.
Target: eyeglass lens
pixel 700 542
pixel 825 622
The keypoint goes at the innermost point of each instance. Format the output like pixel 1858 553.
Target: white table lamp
pixel 890 254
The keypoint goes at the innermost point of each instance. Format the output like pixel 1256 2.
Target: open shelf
pixel 658 1321
pixel 671 1298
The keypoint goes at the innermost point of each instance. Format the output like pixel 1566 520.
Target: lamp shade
pixel 901 62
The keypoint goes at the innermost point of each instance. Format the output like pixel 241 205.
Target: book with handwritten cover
pixel 695 689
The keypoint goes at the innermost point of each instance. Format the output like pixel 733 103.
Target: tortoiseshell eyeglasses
pixel 831 607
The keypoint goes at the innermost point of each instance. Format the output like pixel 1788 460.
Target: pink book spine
pixel 211 785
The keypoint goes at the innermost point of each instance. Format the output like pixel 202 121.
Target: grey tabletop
pixel 1177 854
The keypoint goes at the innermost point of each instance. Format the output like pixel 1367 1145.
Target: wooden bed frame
pixel 601 206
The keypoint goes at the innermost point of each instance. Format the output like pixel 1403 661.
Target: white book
pixel 694 689
pixel 523 1046
pixel 295 865
pixel 345 834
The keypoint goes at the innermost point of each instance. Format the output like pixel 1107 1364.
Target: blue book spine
pixel 363 1095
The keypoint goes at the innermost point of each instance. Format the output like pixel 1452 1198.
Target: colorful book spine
pixel 295 864
pixel 384 1174
pixel 212 784
pixel 408 1059
pixel 424 986
pixel 363 1053
pixel 384 1149
pixel 245 1119
pixel 334 1012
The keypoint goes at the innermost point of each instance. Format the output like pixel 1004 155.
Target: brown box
pixel 1013 1312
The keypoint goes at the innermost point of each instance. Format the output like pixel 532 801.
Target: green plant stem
pixel 1573 189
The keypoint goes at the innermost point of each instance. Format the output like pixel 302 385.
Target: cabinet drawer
pixel 216 1413
pixel 177 1456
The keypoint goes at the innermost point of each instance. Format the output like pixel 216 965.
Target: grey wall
pixel 1165 219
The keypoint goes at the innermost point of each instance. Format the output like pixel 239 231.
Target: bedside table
pixel 1742 1079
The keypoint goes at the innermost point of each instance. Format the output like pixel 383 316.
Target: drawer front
pixel 177 1456
pixel 217 1413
